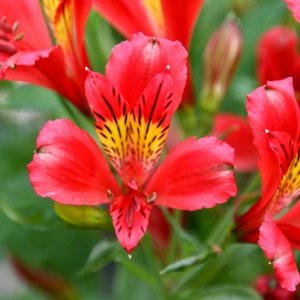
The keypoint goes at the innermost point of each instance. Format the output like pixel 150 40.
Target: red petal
pixel 40 68
pixel 237 133
pixel 294 6
pixel 32 24
pixel 81 10
pixel 272 108
pixel 279 251
pixel 290 225
pixel 69 167
pixel 127 16
pixel 180 18
pixel 134 63
pixel 278 56
pixel 195 174
pixel 130 216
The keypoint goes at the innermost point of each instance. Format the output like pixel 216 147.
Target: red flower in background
pixel 278 56
pixel 133 105
pixel 174 20
pixel 273 222
pixel 236 131
pixel 27 53
pixel 269 289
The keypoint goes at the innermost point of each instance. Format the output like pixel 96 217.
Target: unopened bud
pixel 84 216
pixel 221 56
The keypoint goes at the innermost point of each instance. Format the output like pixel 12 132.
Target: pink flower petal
pixel 294 6
pixel 134 63
pixel 195 174
pixel 69 167
pixel 279 251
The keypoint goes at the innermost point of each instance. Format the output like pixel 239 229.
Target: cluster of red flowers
pixel 133 104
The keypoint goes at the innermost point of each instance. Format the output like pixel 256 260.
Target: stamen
pixel 168 67
pixel 110 195
pixel 15 26
pixel 8 37
pixel 19 36
pixel 7 47
pixel 151 198
pixel 136 203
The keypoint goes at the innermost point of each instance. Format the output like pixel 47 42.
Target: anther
pixel 151 198
pixel 18 37
pixel 15 26
pixel 168 67
pixel 110 195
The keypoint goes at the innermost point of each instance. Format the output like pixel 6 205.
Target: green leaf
pixel 227 292
pixel 102 254
pixel 185 263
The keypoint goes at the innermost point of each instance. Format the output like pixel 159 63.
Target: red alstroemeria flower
pixel 275 120
pixel 294 7
pixel 278 56
pixel 171 19
pixel 26 50
pixel 133 105
pixel 236 131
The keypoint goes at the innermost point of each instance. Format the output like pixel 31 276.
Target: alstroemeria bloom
pixel 171 19
pixel 28 54
pixel 294 6
pixel 273 221
pixel 278 56
pixel 133 105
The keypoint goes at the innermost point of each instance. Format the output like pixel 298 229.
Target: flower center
pixel 9 37
pixel 289 187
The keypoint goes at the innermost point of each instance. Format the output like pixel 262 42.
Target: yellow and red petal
pixel 133 139
pixel 195 174
pixel 69 167
pixel 111 114
pixel 272 108
pixel 68 19
pixel 279 251
pixel 134 63
pixel 130 214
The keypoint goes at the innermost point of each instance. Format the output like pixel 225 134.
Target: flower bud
pixel 85 216
pixel 221 56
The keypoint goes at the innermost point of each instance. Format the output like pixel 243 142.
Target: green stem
pixel 153 267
